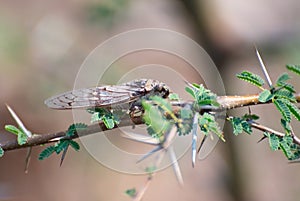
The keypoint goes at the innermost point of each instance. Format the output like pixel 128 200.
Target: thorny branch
pixel 226 103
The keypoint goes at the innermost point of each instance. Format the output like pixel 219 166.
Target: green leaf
pixel 285 94
pixel 155 120
pixel 289 87
pixel 108 122
pixel 294 68
pixel 186 113
pixel 174 96
pixel 283 109
pixel 22 138
pixel 74 145
pixel 202 96
pixel 293 109
pixel 96 117
pixel 273 141
pixel 61 145
pixel 1 152
pixel 250 117
pixel 190 91
pixel 208 102
pixel 282 78
pixel 251 78
pixel 151 169
pixel 186 118
pixel 207 124
pixel 236 123
pixel 281 82
pixel 246 127
pixel 163 103
pixel 265 96
pixel 131 192
pixel 286 126
pixel 75 128
pixel 239 124
pixel 46 152
pixel 285 146
pixel 12 129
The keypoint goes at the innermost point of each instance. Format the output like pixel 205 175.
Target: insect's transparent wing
pixel 93 97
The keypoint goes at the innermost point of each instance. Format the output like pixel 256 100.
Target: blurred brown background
pixel 43 44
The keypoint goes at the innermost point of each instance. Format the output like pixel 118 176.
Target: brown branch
pixel 54 137
pixel 226 102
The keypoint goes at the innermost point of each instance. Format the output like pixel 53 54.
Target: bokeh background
pixel 43 44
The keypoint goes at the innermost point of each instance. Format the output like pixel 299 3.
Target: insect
pixel 109 95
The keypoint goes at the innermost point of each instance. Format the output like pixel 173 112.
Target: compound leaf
pixel 174 97
pixel 131 192
pixel 265 96
pixel 61 145
pixel 282 78
pixel 46 152
pixel 294 68
pixel 293 109
pixel 273 141
pixel 283 109
pixel 1 152
pixel 252 78
pixel 74 145
pixel 12 129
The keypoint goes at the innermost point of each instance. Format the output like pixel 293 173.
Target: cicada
pixel 109 95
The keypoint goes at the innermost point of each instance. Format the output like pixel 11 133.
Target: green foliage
pixel 252 78
pixel 285 94
pixel 157 124
pixel 286 126
pixel 151 169
pixel 75 128
pixel 294 68
pixel 131 192
pixel 63 144
pixel 174 97
pixel 105 12
pixel 282 78
pixel 283 109
pixel 109 119
pixel 286 108
pixel 293 109
pixel 241 124
pixel 265 96
pixel 283 98
pixel 1 152
pixel 281 82
pixel 74 145
pixel 274 141
pixel 21 136
pixel 285 144
pixel 202 95
pixel 186 124
pixel 47 152
pixel 208 124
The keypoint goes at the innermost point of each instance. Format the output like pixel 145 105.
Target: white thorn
pixel 19 122
pixel 264 69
